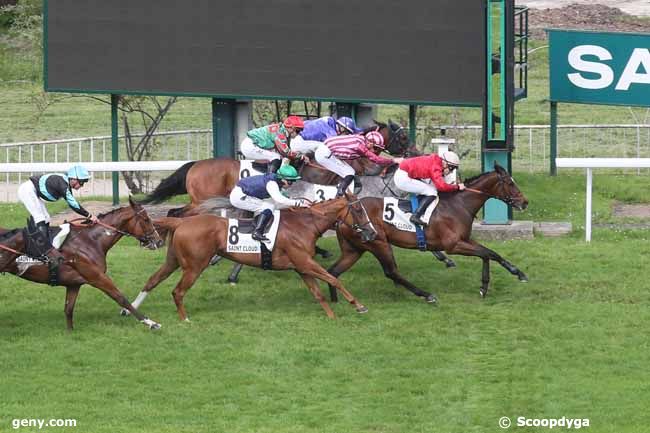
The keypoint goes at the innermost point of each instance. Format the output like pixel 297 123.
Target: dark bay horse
pixel 217 177
pixel 449 230
pixel 84 252
pixel 196 239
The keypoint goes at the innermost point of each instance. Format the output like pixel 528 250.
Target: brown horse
pixel 449 230
pixel 197 239
pixel 84 253
pixel 217 177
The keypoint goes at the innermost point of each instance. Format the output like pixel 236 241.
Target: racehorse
pixel 84 254
pixel 195 240
pixel 449 230
pixel 217 177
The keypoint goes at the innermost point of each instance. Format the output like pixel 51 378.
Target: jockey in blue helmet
pixel 52 187
pixel 348 125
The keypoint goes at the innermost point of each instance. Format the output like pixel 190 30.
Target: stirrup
pixel 418 221
pixel 259 237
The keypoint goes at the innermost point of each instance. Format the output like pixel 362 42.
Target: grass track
pixel 263 357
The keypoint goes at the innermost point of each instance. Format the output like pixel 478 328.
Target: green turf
pixel 263 357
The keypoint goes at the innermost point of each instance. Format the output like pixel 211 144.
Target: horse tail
pixel 170 186
pixel 214 205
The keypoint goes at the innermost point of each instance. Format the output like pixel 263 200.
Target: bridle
pixel 355 226
pixel 146 239
pixel 509 200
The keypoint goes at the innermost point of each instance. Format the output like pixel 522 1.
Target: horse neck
pixel 331 210
pixel 474 202
pixel 116 219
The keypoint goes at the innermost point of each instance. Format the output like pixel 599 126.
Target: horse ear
pixel 498 168
pixel 132 202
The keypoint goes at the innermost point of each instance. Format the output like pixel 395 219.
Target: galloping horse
pixel 217 177
pixel 196 239
pixel 449 230
pixel 84 255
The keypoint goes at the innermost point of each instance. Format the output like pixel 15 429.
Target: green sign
pixel 599 68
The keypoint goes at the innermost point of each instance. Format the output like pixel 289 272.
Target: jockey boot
pixel 416 218
pixel 343 185
pixel 273 165
pixel 263 220
pixel 47 249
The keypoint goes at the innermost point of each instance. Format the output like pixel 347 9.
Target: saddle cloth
pixel 240 239
pixel 327 192
pixel 397 213
pixel 249 167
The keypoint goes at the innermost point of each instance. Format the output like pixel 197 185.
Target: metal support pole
pixel 553 153
pixel 412 123
pixel 588 206
pixel 223 127
pixel 115 148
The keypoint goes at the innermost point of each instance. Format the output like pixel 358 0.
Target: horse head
pixel 396 139
pixel 500 185
pixel 349 211
pixel 141 227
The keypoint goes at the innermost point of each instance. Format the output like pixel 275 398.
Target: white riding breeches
pixel 34 205
pixel 325 158
pixel 299 144
pixel 246 202
pixel 405 183
pixel 253 151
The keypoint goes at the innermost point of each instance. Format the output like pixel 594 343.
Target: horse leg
pixel 233 278
pixel 312 268
pixel 384 254
pixel 323 252
pixel 440 255
pixel 187 281
pixel 168 268
pixel 312 284
pixel 472 248
pixel 71 293
pixel 100 280
pixel 349 256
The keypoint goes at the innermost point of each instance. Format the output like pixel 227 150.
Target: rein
pixel 147 236
pixel 356 227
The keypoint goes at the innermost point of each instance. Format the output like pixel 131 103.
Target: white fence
pixel 531 150
pixel 174 146
pixel 592 163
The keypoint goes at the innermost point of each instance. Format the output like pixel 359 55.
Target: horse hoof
pixel 124 312
pixel 450 264
pixel 483 293
pixel 150 323
pixel 362 309
pixel 523 278
pixel 431 299
pixel 187 320
pixel 325 254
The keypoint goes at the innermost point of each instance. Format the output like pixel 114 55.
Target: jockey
pixel 252 194
pixel 339 149
pixel 52 187
pixel 318 130
pixel 413 172
pixel 271 142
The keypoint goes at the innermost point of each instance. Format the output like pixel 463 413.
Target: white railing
pixel 590 164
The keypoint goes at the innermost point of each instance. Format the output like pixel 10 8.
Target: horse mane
pixel 110 212
pixel 9 233
pixel 375 127
pixel 475 178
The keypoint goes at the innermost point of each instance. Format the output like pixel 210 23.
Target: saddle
pixel 261 165
pixel 247 225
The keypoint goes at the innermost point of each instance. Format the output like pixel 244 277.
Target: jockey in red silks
pixel 413 172
pixel 271 142
pixel 348 147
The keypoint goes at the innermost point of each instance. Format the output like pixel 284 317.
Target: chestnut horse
pixel 195 240
pixel 84 253
pixel 217 177
pixel 449 230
